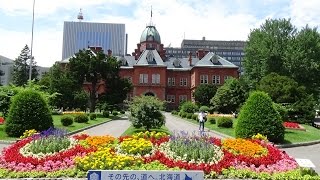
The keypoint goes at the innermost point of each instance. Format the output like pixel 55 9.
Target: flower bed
pixel 52 154
pixel 293 125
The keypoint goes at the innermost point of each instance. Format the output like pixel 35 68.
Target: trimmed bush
pixel 66 120
pixel 28 110
pixel 114 112
pixel 183 114
pixel 174 112
pixel 283 112
pixel 225 122
pixel 189 107
pixel 211 120
pixel 93 116
pixel 195 117
pixel 258 115
pixel 81 118
pixel 189 115
pixel 105 114
pixel 204 109
pixel 122 112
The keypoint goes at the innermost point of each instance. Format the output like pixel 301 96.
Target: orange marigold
pixel 244 147
pixel 99 141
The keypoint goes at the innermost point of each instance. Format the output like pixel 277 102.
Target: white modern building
pixel 81 35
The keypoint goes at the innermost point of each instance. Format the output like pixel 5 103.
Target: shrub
pixel 211 120
pixel 283 112
pixel 174 112
pixel 258 115
pixel 122 112
pixel 194 116
pixel 189 107
pixel 93 116
pixel 81 118
pixel 189 115
pixel 146 112
pixel 28 110
pixel 225 122
pixel 204 109
pixel 114 112
pixel 183 114
pixel 66 120
pixel 105 114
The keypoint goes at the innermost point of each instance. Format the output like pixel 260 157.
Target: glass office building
pixel 81 35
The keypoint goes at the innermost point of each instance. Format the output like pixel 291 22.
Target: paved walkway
pixel 176 124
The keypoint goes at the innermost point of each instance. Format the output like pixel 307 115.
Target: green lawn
pixel 291 136
pixel 131 130
pixel 57 123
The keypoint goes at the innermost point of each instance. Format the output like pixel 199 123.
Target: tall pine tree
pixel 21 67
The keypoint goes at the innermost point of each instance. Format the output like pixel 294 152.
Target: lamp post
pixel 31 58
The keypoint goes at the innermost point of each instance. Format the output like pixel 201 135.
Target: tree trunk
pixel 93 97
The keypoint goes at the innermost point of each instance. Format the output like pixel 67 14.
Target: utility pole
pixel 31 58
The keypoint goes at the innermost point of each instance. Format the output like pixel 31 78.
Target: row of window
pixel 204 79
pixel 172 98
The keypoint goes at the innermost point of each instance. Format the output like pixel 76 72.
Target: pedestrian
pixel 201 117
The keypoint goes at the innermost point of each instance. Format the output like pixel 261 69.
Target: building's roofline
pixel 85 22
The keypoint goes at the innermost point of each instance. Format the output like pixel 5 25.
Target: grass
pixel 291 136
pixel 131 130
pixel 57 124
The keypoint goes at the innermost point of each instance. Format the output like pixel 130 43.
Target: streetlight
pixel 31 59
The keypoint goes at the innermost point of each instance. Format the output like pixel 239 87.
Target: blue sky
pixel 174 19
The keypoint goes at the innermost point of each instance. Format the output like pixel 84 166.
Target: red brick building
pixel 169 78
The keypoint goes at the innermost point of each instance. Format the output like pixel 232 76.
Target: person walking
pixel 201 117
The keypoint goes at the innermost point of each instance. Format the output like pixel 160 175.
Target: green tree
pixel 81 100
pixel 303 59
pixel 116 90
pixel 1 74
pixel 146 112
pixel 28 110
pixel 266 47
pixel 204 93
pixel 229 97
pixel 258 115
pixel 281 89
pixel 21 67
pixel 59 80
pixel 92 68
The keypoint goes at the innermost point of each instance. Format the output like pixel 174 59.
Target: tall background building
pixel 81 35
pixel 232 51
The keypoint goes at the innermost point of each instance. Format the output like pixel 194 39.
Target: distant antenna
pixel 80 15
pixel 150 24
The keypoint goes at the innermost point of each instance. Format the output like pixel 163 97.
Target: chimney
pixel 203 38
pixel 95 49
pixel 190 58
pixel 109 52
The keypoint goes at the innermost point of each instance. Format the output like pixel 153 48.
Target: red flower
pixel 1 120
pixel 291 125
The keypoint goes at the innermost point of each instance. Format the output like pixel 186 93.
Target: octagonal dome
pixel 150 34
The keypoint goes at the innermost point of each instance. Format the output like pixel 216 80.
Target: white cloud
pixel 174 19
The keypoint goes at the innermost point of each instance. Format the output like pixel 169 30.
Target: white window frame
pixel 143 79
pixel 204 79
pixel 171 98
pixel 183 81
pixel 216 79
pixel 182 98
pixel 173 83
pixel 155 78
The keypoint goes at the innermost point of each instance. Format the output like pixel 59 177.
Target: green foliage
pixel 225 122
pixel 174 112
pixel 212 120
pixel 194 117
pixel 189 107
pixel 258 115
pixel 146 112
pixel 114 112
pixel 122 112
pixel 189 115
pixel 229 97
pixel 105 114
pixel 204 93
pixel 93 116
pixel 66 120
pixel 204 109
pixel 81 118
pixel 154 165
pixel 116 90
pixel 302 111
pixel 49 144
pixel 81 100
pixel 282 110
pixel 21 67
pixel 28 110
pixel 266 47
